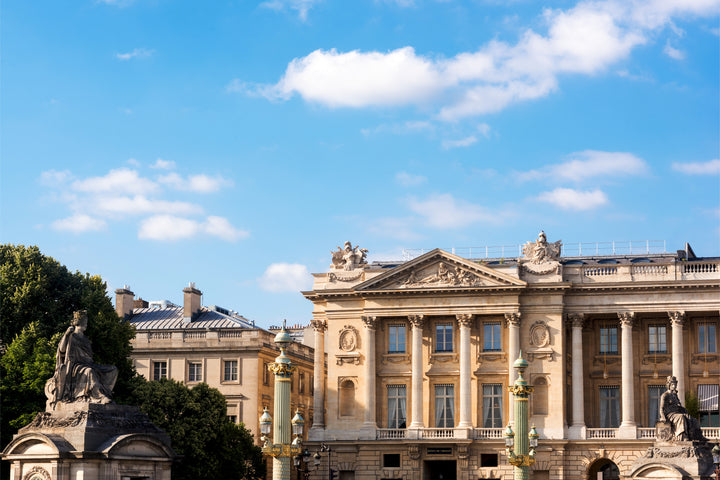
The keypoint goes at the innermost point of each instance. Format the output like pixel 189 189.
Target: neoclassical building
pixel 420 352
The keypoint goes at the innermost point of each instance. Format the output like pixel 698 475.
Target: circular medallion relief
pixel 348 340
pixel 539 335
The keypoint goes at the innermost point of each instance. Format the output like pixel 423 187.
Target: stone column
pixel 370 376
pixel 677 319
pixel 416 419
pixel 465 322
pixel 628 428
pixel 318 380
pixel 513 325
pixel 577 428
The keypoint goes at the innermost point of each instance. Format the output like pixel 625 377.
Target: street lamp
pixel 281 449
pixel 525 441
pixel 716 460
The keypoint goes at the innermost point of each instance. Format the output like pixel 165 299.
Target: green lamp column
pixel 521 444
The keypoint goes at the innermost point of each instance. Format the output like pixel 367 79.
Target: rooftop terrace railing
pixel 591 249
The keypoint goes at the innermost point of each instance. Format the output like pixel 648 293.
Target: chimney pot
pixel 191 302
pixel 124 302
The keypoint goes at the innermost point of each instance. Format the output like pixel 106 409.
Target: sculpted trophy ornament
pixel 541 257
pixel 77 378
pixel 347 263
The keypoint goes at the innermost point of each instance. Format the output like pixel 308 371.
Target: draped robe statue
pixel 77 378
pixel 684 426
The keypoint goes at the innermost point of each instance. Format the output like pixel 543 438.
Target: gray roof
pixel 171 318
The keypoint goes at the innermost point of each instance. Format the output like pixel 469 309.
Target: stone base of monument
pixel 675 460
pixel 92 441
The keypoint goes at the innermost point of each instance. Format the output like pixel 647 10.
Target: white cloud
pixel 161 164
pixel 55 178
pixel 590 164
pixel 484 129
pixel 443 211
pixel 405 128
pixel 463 142
pixel 583 40
pixel 409 180
pixel 195 183
pixel 302 7
pixel 711 167
pixel 286 277
pixel 133 162
pixel 79 223
pixel 673 53
pixel 570 199
pixel 172 228
pixel 121 180
pixel 136 53
pixel 141 205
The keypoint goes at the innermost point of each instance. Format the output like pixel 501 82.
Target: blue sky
pixel 234 144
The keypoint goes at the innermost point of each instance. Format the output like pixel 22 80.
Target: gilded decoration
pixel 281 369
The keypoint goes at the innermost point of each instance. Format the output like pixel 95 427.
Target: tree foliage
pixel 38 296
pixel 209 444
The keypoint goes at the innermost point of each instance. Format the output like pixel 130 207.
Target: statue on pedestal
pixel 77 378
pixel 684 427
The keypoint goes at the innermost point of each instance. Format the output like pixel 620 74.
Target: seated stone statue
pixel 77 378
pixel 685 427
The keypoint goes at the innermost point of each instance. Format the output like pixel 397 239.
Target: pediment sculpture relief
pixel 541 257
pixel 442 276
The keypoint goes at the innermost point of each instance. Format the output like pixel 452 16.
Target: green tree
pixel 209 444
pixel 38 296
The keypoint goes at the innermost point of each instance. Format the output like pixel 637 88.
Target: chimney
pixel 191 302
pixel 124 302
pixel 140 303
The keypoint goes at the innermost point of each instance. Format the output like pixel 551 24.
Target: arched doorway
pixel 604 469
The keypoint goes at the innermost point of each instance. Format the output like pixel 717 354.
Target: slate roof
pixel 171 318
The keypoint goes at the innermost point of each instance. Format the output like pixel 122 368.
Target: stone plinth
pixel 675 460
pixel 86 440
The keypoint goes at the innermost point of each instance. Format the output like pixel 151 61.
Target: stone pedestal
pixel 675 460
pixel 89 440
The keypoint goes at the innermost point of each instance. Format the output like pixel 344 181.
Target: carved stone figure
pixel 541 251
pixel 349 257
pixel 77 378
pixel 685 427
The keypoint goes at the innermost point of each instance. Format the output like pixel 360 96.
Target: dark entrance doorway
pixel 603 469
pixel 441 470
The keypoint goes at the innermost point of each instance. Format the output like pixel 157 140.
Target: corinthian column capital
pixel 416 320
pixel 513 318
pixel 319 325
pixel 370 322
pixel 465 319
pixel 576 319
pixel 627 319
pixel 677 318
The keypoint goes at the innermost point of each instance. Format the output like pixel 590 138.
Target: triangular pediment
pixel 440 269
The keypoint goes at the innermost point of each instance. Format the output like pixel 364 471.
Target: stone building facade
pixel 419 356
pixel 194 344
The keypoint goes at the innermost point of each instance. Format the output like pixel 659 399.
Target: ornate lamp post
pixel 281 449
pixel 526 440
pixel 716 460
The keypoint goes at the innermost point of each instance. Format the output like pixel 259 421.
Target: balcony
pixel 439 434
pixel 644 433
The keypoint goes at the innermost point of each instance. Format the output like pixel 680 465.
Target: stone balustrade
pixel 709 270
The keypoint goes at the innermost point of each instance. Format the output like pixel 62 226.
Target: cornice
pixel 646 286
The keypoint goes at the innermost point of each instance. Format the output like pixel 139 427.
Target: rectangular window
pixel 610 407
pixel 397 413
pixel 654 393
pixel 232 418
pixel 391 460
pixel 159 370
pixel 231 371
pixel 706 338
pixel 396 339
pixel 491 337
pixel 443 337
pixel 657 339
pixel 608 340
pixel 708 405
pixel 489 460
pixel 301 382
pixel 194 372
pixel 266 374
pixel 444 406
pixel 492 405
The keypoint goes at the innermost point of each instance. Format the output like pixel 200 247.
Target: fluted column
pixel 677 319
pixel 627 320
pixel 577 428
pixel 513 325
pixel 370 377
pixel 319 326
pixel 465 322
pixel 416 419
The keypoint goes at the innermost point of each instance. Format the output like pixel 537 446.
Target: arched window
pixel 540 397
pixel 603 469
pixel 347 398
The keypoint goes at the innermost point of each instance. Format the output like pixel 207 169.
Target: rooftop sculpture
pixel 349 257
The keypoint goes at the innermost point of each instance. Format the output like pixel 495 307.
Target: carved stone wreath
pixel 348 339
pixel 37 473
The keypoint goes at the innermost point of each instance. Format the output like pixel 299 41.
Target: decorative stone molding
pixel 541 257
pixel 37 473
pixel 513 318
pixel 540 334
pixel 319 325
pixel 576 319
pixel 627 319
pixel 677 318
pixel 442 276
pixel 341 276
pixel 416 320
pixel 443 357
pixel 491 357
pixel 370 322
pixel 414 451
pixel 465 319
pixel 348 339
